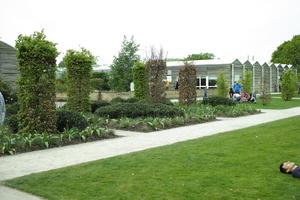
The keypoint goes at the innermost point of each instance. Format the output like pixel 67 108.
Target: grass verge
pixel 276 103
pixel 241 164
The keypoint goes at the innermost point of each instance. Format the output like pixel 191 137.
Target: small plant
pixel 288 85
pixel 247 82
pixel 222 85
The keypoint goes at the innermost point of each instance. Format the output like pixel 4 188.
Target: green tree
pixel 79 70
pixel 222 85
pixel 288 85
pixel 121 69
pixel 140 81
pixel 288 53
pixel 247 82
pixel 36 93
pixel 200 56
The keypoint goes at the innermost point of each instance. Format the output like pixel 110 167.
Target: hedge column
pixel 36 96
pixel 187 84
pixel 79 69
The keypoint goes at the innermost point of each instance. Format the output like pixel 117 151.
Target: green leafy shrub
pixel 218 100
pixel 97 104
pixel 69 119
pixel 133 110
pixel 36 59
pixel 187 85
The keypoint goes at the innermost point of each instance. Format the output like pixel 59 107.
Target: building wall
pixel 8 64
pixel 274 75
pixel 266 77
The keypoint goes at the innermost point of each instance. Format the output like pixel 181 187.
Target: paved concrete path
pixel 44 160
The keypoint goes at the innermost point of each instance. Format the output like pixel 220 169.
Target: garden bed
pixel 100 127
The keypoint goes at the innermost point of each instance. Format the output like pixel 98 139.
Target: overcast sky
pixel 227 28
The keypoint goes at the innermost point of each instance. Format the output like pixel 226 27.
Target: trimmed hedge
pixel 68 119
pixel 98 104
pixel 133 110
pixel 218 100
pixel 121 100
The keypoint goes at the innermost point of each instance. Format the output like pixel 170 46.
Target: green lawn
pixel 277 103
pixel 279 95
pixel 240 164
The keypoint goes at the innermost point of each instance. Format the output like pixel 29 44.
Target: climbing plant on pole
pixel 79 70
pixel 36 58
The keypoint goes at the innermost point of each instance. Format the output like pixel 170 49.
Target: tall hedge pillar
pixel 79 69
pixel 140 81
pixel 156 69
pixel 36 96
pixel 187 85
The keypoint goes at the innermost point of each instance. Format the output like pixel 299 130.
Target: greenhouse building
pixel 264 76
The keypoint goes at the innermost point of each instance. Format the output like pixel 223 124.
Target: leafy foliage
pixel 100 80
pixel 133 110
pixel 140 80
pixel 121 69
pixel 222 85
pixel 200 56
pixel 288 52
pixel 218 100
pixel 187 84
pixel 36 96
pixel 288 85
pixel 247 82
pixel 79 68
pixel 69 119
pixel 98 104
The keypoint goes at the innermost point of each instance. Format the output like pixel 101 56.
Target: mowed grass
pixel 279 95
pixel 277 103
pixel 241 164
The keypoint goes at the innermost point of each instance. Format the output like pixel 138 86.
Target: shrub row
pixel 133 110
pixel 218 100
pixel 65 120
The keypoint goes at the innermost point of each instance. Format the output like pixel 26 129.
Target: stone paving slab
pixel 7 193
